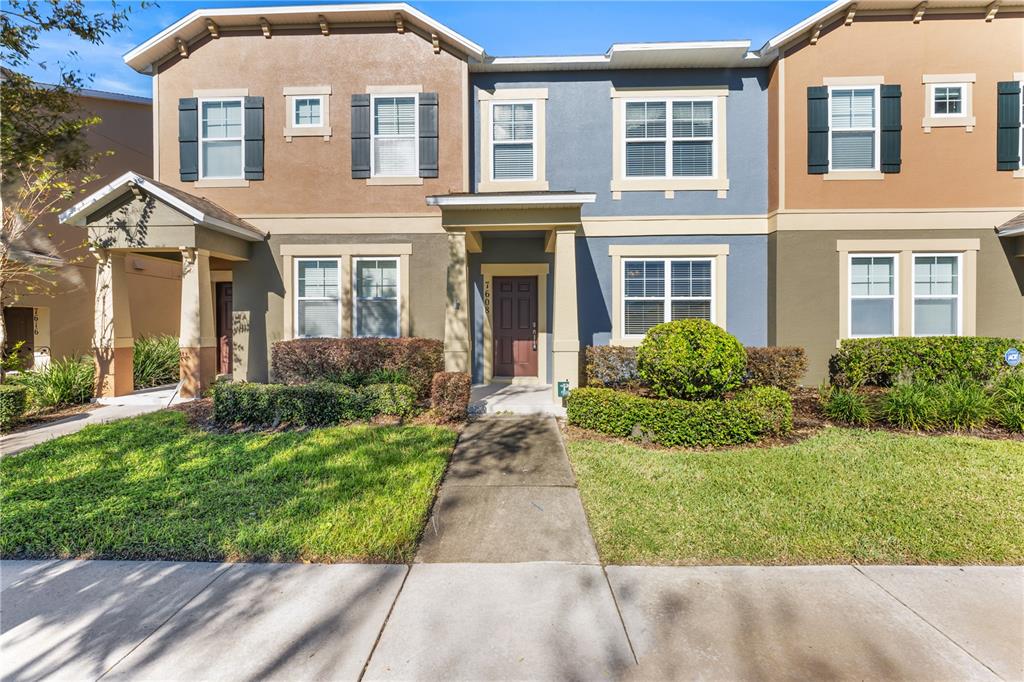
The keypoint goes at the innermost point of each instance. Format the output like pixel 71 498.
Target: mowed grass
pixel 842 496
pixel 153 487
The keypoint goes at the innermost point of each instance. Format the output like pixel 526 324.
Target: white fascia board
pixel 805 25
pixel 566 199
pixel 75 215
pixel 608 59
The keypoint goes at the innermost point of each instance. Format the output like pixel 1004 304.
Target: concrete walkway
pixel 110 409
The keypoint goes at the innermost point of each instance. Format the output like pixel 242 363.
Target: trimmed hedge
pixel 449 395
pixel 397 400
pixel 13 403
pixel 354 361
pixel 885 361
pixel 612 367
pixel 315 404
pixel 749 415
pixel 691 359
pixel 779 366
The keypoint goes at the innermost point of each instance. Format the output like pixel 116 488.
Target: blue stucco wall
pixel 579 137
pixel 746 284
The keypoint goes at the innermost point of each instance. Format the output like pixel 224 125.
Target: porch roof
pixel 506 200
pixel 199 210
pixel 1013 227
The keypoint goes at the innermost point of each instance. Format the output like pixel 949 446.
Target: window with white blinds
pixel 656 290
pixel 853 136
pixel 682 147
pixel 873 295
pixel 395 141
pixel 318 297
pixel 512 141
pixel 375 296
pixel 936 294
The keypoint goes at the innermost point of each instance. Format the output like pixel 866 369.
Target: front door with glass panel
pixel 515 326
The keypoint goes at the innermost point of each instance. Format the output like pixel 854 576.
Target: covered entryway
pixel 136 214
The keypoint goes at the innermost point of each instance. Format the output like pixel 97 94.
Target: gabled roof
pixel 201 211
pixel 194 25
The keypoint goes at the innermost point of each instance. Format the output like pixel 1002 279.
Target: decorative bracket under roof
pixel 399 24
pixel 919 12
pixel 182 47
pixel 322 20
pixel 816 33
pixel 212 28
pixel 991 10
pixel 850 14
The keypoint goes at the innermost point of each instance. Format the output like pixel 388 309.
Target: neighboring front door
pixel 20 327
pixel 515 326
pixel 224 307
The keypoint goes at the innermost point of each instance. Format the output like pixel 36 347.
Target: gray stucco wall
pixel 579 137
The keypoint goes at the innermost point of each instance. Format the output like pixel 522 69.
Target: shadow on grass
pixel 152 488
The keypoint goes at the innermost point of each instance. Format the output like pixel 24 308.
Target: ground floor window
pixel 376 305
pixel 318 297
pixel 657 290
pixel 873 295
pixel 936 294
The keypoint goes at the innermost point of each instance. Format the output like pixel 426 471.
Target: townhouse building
pixel 405 183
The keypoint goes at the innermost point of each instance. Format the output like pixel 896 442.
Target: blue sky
pixel 502 28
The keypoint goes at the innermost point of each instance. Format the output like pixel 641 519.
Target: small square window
pixel 948 100
pixel 307 112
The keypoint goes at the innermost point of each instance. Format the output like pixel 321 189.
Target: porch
pixel 511 315
pixel 135 214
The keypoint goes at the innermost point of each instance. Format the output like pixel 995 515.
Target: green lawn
pixel 841 496
pixel 154 488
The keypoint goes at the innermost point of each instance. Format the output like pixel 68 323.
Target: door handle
pixel 534 326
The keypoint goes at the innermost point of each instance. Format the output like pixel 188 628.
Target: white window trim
pixel 965 94
pixel 1020 136
pixel 297 269
pixel 670 138
pixel 965 119
pixel 895 296
pixel 295 111
pixel 397 299
pixel 667 298
pixel 415 134
pixel 959 290
pixel 876 129
pixel 532 142
pixel 203 140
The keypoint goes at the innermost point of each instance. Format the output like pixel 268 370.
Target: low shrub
pixel 845 405
pixel 691 359
pixel 13 403
pixel 612 367
pixel 963 405
pixel 1008 402
pixel 394 399
pixel 63 382
pixel 886 361
pixel 314 404
pixel 156 361
pixel 353 361
pixel 744 418
pixel 912 405
pixel 779 366
pixel 449 395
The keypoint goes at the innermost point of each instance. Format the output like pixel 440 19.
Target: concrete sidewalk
pixel 168 620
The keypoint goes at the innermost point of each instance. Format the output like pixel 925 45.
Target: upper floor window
pixel 307 112
pixel 512 141
pixel 657 147
pixel 395 136
pixel 936 294
pixel 221 132
pixel 873 295
pixel 853 136
pixel 948 99
pixel 318 297
pixel 656 290
pixel 376 310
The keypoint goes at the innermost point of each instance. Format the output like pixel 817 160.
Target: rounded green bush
pixel 13 403
pixel 691 359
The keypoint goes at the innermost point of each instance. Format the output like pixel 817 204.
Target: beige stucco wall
pixel 806 307
pixel 946 168
pixel 310 174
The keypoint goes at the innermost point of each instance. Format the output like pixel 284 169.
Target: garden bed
pixel 154 487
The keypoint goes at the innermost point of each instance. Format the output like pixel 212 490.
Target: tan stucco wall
pixel 947 167
pixel 807 301
pixel 309 174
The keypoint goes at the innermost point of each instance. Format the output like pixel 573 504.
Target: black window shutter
pixel 891 126
pixel 188 139
pixel 428 135
pixel 1008 130
pixel 817 130
pixel 253 138
pixel 360 136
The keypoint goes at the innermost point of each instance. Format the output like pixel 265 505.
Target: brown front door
pixel 224 308
pixel 515 326
pixel 20 327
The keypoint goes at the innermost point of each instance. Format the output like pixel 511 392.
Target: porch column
pixel 565 333
pixel 112 342
pixel 198 342
pixel 456 318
